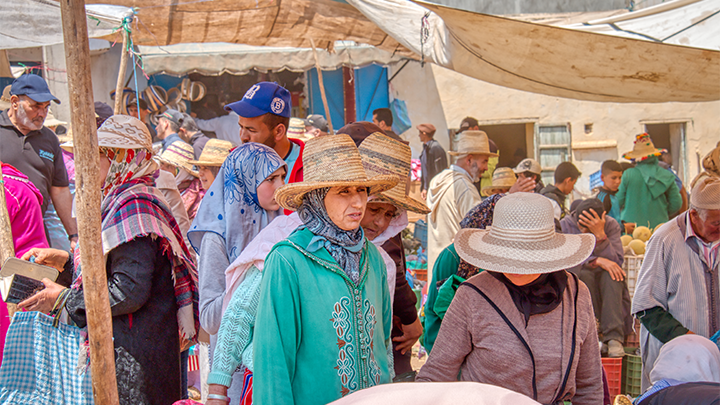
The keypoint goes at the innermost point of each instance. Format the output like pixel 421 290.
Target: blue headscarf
pixel 230 207
pixel 344 246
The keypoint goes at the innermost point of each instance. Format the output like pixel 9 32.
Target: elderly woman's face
pixel 377 218
pixel 521 279
pixel 346 205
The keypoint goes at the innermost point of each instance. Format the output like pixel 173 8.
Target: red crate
pixel 633 339
pixel 613 370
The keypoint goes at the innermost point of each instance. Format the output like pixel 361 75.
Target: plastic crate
pixel 631 265
pixel 632 373
pixel 633 339
pixel 613 370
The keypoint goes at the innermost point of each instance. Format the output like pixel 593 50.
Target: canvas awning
pixel 31 23
pixel 566 62
pixel 218 58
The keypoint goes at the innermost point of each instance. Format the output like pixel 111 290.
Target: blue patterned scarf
pixel 230 207
pixel 344 246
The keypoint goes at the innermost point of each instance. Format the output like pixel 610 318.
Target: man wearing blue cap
pixel 34 149
pixel 264 116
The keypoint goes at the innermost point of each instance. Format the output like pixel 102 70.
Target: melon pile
pixel 635 244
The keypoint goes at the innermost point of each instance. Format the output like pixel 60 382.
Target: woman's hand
pixel 49 257
pixel 216 389
pixel 44 300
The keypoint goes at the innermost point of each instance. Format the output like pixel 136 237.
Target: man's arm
pixel 62 200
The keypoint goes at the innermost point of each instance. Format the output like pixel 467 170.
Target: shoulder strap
pixel 572 344
pixel 514 329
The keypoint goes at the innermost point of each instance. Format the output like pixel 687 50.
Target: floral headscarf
pixel 230 207
pixel 126 165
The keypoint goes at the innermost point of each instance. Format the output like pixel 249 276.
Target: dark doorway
pixel 510 140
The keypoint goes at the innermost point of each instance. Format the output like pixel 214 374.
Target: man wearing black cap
pixel 316 125
pixel 34 149
pixel 602 272
pixel 169 123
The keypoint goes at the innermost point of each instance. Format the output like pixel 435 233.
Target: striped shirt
pixel 709 250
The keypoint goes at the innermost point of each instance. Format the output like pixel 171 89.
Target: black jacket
pixel 145 327
pixel 433 160
pixel 556 195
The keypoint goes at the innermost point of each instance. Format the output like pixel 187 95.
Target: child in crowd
pixel 611 176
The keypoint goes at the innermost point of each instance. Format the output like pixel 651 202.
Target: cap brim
pixel 408 203
pixel 204 163
pixel 42 97
pixel 563 251
pixel 245 109
pixel 290 196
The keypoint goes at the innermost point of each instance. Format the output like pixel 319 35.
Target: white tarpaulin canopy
pixel 31 23
pixel 565 62
pixel 218 58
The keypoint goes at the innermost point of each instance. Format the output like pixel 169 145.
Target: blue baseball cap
pixel 33 86
pixel 263 98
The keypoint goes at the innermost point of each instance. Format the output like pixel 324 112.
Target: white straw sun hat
pixel 522 239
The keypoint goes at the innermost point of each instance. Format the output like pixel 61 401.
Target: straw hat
pixel 121 131
pixel 503 178
pixel 522 239
pixel 643 149
pixel 473 143
pixel 331 161
pixel 5 99
pixel 706 194
pixel 179 154
pixel 51 121
pixel 155 97
pixel 296 129
pixel 214 153
pixel 382 155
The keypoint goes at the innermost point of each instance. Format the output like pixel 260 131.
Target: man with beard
pixel 264 117
pixel 452 192
pixel 34 149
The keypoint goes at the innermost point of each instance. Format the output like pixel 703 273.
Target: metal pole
pixel 77 57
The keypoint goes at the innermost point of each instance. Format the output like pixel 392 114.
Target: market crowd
pixel 282 259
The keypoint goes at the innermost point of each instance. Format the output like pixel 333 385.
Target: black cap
pixel 317 121
pixel 586 205
pixel 468 122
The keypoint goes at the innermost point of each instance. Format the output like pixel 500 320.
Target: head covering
pixel 503 178
pixel 132 208
pixel 317 121
pixel 522 239
pixel 528 165
pixel 103 112
pixel 230 207
pixel 172 115
pixel 33 86
pixel 539 297
pixel 296 130
pixel 643 149
pixel 263 98
pixel 473 143
pixel 382 155
pixel 480 217
pixel 51 121
pixel 468 122
pixel 711 164
pixel 360 130
pixel 429 129
pixel 706 194
pixel 214 153
pixel 121 131
pixel 587 205
pixel 5 98
pixel 179 154
pixel 344 246
pixel 657 179
pixel 687 358
pixel 331 161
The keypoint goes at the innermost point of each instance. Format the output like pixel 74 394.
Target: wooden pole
pixel 77 57
pixel 322 87
pixel 121 73
pixel 7 245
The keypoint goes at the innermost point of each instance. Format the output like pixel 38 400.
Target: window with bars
pixel 553 147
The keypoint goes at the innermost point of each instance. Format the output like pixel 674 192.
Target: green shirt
pixel 318 336
pixel 636 201
pixel 445 266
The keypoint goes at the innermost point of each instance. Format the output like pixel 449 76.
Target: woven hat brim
pixel 290 196
pixel 408 203
pixel 453 153
pixel 204 163
pixel 563 251
pixel 187 167
pixel 632 155
pixel 69 146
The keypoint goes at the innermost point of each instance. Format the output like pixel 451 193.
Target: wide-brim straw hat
pixel 179 154
pixel 382 155
pixel 503 178
pixel 5 98
pixel 51 121
pixel 331 161
pixel 522 239
pixel 643 149
pixel 214 153
pixel 122 132
pixel 473 143
pixel 296 130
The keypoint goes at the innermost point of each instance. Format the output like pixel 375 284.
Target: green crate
pixel 632 373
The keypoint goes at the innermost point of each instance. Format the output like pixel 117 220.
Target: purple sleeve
pixel 611 248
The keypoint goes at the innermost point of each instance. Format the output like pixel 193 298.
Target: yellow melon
pixel 642 232
pixel 626 239
pixel 637 246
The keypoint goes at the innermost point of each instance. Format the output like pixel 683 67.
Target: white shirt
pixel 226 127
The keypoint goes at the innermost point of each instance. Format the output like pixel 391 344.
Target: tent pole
pixel 7 246
pixel 87 160
pixel 121 73
pixel 322 87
